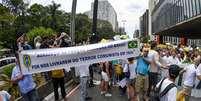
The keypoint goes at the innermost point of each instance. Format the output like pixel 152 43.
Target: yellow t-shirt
pixel 118 69
pixel 57 73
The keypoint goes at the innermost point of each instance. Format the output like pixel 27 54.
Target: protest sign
pixel 41 60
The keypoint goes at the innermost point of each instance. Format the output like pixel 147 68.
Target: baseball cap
pixel 174 71
pixel 63 34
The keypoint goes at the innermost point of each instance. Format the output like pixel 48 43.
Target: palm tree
pixel 6 84
pixel 53 9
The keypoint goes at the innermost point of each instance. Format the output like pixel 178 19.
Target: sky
pixel 128 10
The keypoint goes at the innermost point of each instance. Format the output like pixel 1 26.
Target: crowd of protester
pixel 149 77
pixel 155 69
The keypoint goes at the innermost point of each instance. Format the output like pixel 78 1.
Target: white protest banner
pixel 41 60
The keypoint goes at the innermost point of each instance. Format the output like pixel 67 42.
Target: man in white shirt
pixel 172 92
pixel 189 79
pixel 84 75
pixel 174 59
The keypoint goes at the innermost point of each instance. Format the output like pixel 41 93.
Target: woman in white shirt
pixel 129 69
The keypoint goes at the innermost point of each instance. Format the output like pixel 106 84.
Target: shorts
pixel 142 83
pixel 131 81
pixel 187 89
pixel 104 76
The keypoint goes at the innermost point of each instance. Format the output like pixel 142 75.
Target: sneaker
pixel 103 92
pixel 108 95
pixel 88 98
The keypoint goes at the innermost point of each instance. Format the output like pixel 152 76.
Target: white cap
pixel 63 34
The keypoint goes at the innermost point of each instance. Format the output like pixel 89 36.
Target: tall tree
pixel 6 22
pixel 53 8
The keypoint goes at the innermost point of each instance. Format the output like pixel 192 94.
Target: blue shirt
pixel 26 84
pixel 142 66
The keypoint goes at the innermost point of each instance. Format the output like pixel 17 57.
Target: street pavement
pixel 96 96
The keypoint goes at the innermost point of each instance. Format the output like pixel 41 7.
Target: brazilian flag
pixel 132 44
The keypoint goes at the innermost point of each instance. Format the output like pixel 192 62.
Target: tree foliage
pixel 40 31
pixel 17 18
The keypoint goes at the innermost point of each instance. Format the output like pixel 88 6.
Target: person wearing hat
pixel 165 83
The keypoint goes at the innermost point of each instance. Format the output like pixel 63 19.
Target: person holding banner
pixel 84 77
pixel 25 82
pixel 58 81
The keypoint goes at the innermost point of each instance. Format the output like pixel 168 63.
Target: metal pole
pixel 94 38
pixel 72 26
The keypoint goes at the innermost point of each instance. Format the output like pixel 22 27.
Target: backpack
pixel 157 95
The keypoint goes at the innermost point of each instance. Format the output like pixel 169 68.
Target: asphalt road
pixel 96 96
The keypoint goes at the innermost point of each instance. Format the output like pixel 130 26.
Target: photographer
pixel 64 40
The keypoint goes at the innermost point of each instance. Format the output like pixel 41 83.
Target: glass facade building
pixel 168 13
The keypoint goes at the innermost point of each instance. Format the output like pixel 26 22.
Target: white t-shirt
pixel 198 71
pixel 174 61
pixel 190 75
pixel 83 70
pixel 171 94
pixel 37 46
pixel 131 68
pixel 165 60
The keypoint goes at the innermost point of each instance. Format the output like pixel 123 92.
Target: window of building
pixel 190 8
pixel 179 10
pixel 198 6
pixel 182 10
pixel 194 10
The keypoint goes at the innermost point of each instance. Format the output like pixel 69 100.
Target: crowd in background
pixel 156 67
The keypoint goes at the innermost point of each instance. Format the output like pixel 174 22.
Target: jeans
pixel 91 74
pixel 31 96
pixel 56 83
pixel 83 86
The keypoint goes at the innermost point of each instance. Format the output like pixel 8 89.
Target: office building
pixel 144 24
pixel 105 12
pixel 176 21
